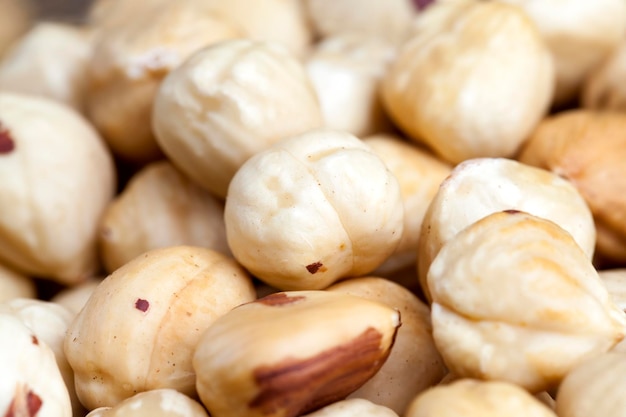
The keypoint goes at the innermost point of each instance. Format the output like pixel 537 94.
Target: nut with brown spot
pixel 289 358
pixel 164 402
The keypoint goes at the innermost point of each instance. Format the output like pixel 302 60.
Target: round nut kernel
pixel 312 209
pixel 516 299
pixel 604 88
pixel 228 102
pixel 355 407
pixel 164 402
pixel 291 352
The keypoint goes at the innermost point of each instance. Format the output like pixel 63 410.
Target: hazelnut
pixel 312 209
pixel 447 87
pixel 414 363
pixel 75 297
pixel 228 102
pixel 160 207
pixel 482 186
pixel 15 285
pixel 355 407
pixel 164 402
pixel 139 329
pixel 291 353
pixel 604 88
pixel 588 148
pixel 15 20
pixel 56 178
pixel 516 299
pixel 615 282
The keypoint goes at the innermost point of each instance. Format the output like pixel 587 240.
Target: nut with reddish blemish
pixel 164 402
pixel 139 328
pixel 32 385
pixel 290 353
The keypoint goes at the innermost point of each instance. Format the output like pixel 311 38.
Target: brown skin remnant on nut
pixel 6 141
pixel 422 4
pixel 35 340
pixel 278 299
pixel 511 211
pixel 314 267
pixel 299 386
pixel 142 305
pixel 25 403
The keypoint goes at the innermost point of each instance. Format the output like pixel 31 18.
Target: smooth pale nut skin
pixel 15 285
pixel 139 329
pixel 162 402
pixel 604 88
pixel 31 383
pixel 56 178
pixel 594 388
pixel 447 90
pixel 467 397
pixel 479 187
pixel 516 299
pixel 355 407
pixel 50 61
pixel 292 352
pixel 312 209
pixel 130 60
pixel 160 207
pixel 419 174
pixel 229 102
pixel 74 298
pixel 414 363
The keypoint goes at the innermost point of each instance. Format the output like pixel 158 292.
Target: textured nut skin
pixel 32 384
pixel 131 58
pixel 15 285
pixel 228 102
pixel 516 299
pixel 15 20
pixel 50 61
pixel 580 35
pixel 291 352
pixel 56 178
pixel 160 207
pixel 355 407
pixel 414 363
pixel 312 209
pixel 588 149
pixel 594 388
pixel 604 88
pixel 162 402
pixel 483 186
pixel 141 325
pixel 469 397
pixel 446 88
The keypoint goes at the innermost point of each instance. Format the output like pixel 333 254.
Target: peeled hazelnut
pixel 414 363
pixel 469 397
pixel 615 282
pixel 419 174
pixel 312 209
pixel 588 148
pixel 516 299
pixel 129 61
pixel 164 402
pixel 594 388
pixel 355 407
pixel 472 82
pixel 479 187
pixel 346 70
pixel 15 285
pixel 139 329
pixel 56 178
pixel 291 353
pixel 184 214
pixel 15 20
pixel 50 61
pixel 32 384
pixel 104 14
pixel 75 297
pixel 228 102
pixel 605 88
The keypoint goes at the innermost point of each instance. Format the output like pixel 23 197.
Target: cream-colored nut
pixel 74 298
pixel 468 397
pixel 164 402
pixel 15 20
pixel 516 299
pixel 479 187
pixel 594 388
pixel 346 70
pixel 139 329
pixel 229 102
pixel 160 207
pixel 615 282
pixel 49 322
pixel 355 407
pixel 104 14
pixel 56 178
pixel 386 19
pixel 579 34
pixel 588 149
pixel 130 59
pixel 32 384
pixel 51 60
pixel 419 174
pixel 472 82
pixel 605 88
pixel 15 285
pixel 414 363
pixel 546 399
pixel 291 352
pixel 312 209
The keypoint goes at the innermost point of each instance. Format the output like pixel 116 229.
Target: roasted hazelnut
pixel 604 88
pixel 164 402
pixel 355 407
pixel 15 285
